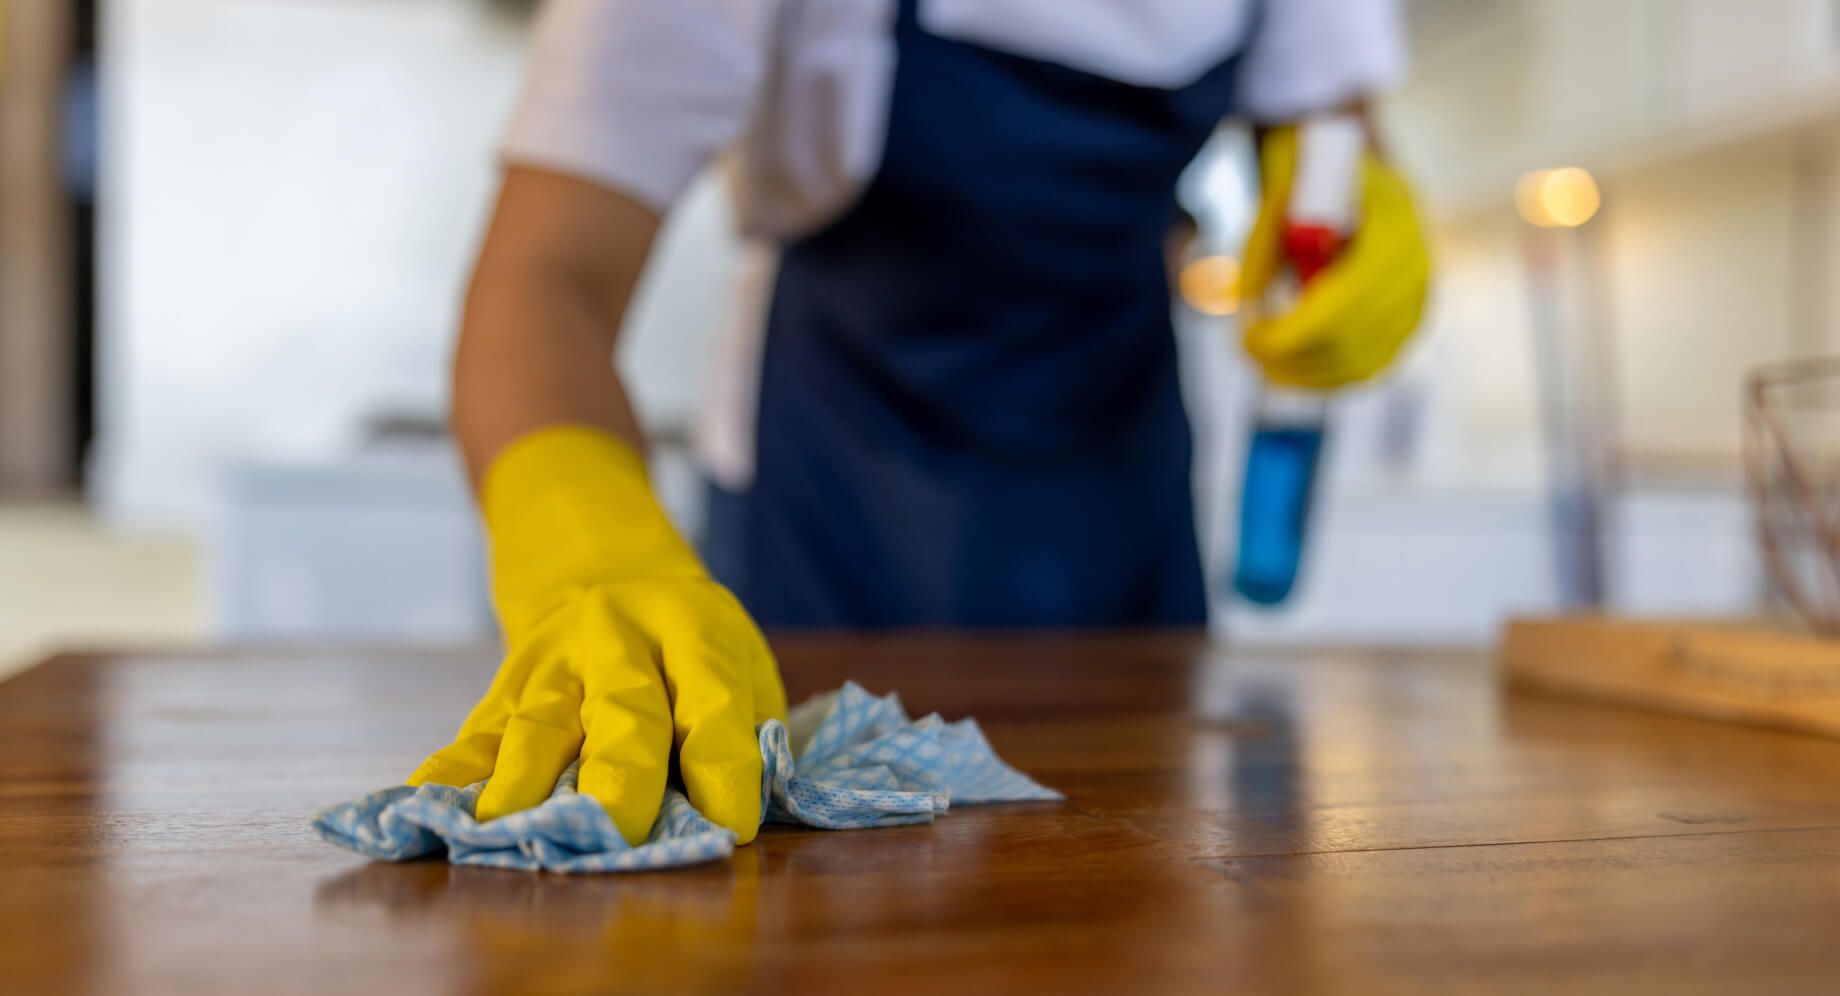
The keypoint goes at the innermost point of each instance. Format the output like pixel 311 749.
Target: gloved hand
pixel 620 648
pixel 1351 320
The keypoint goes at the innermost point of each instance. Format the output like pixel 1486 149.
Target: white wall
pixel 1478 320
pixel 1502 86
pixel 1701 260
pixel 1710 124
pixel 294 190
pixel 1697 260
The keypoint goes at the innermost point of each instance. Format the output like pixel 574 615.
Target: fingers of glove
pixel 1335 303
pixel 1387 322
pixel 1346 342
pixel 709 668
pixel 626 722
pixel 1365 362
pixel 474 751
pixel 1341 370
pixel 1261 259
pixel 769 692
pixel 1386 259
pixel 467 760
pixel 542 738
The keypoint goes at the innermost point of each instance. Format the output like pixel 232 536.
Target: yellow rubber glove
pixel 620 648
pixel 1352 319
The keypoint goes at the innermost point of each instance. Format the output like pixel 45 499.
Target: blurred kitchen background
pixel 233 237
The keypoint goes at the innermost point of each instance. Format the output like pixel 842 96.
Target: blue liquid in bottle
pixel 1274 508
pixel 1288 430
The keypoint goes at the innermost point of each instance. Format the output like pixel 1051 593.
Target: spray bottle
pixel 1290 426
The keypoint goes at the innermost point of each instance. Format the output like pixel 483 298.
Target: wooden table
pixel 1234 823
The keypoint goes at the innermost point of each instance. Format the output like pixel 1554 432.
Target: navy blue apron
pixel 969 407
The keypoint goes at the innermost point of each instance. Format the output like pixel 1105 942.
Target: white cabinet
pixel 1427 568
pixel 377 548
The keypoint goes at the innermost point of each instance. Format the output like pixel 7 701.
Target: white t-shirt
pixel 642 94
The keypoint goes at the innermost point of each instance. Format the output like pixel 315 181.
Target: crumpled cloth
pixel 862 763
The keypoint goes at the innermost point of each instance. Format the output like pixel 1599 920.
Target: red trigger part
pixel 1310 249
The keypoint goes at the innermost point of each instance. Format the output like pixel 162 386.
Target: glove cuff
pixel 567 507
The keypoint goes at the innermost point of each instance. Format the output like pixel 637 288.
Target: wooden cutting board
pixel 1747 673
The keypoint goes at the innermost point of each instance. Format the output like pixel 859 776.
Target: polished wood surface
pixel 1235 823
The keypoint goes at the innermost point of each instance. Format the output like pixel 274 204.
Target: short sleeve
pixel 1311 55
pixel 639 95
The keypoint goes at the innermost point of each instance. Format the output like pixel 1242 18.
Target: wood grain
pixel 1235 823
pixel 1731 672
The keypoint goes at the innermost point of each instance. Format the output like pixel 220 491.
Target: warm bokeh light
pixel 1210 285
pixel 1557 198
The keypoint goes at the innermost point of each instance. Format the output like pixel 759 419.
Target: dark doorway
pixel 82 147
pixel 49 138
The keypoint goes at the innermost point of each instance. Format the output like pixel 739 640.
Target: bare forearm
pixel 543 314
pixel 534 351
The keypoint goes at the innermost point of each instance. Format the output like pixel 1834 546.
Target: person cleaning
pixel 955 402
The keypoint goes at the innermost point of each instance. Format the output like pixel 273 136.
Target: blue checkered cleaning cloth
pixel 863 763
